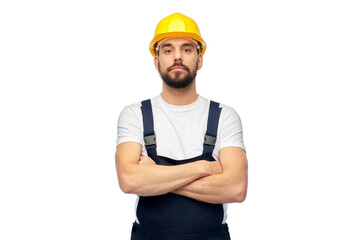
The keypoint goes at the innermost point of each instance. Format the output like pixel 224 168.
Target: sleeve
pixel 231 131
pixel 129 127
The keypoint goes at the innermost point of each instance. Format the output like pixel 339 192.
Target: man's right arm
pixel 152 180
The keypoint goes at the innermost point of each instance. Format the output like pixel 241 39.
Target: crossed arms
pixel 211 182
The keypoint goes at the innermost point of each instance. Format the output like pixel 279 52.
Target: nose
pixel 178 57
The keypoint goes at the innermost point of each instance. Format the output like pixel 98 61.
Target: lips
pixel 177 68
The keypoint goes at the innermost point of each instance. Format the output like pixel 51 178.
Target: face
pixel 178 61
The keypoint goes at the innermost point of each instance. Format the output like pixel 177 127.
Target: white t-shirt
pixel 180 130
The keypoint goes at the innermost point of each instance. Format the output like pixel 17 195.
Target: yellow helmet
pixel 177 25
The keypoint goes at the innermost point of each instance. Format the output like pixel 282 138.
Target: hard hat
pixel 177 25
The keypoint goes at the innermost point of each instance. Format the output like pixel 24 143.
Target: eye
pixel 167 50
pixel 186 50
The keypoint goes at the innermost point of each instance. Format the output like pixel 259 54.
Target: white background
pixel 289 68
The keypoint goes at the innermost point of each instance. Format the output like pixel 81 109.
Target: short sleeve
pixel 129 127
pixel 231 131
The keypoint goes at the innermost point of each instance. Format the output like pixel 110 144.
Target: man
pixel 182 154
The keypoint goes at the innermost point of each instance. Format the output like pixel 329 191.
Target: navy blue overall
pixel 171 216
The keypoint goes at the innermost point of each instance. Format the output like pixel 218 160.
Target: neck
pixel 182 96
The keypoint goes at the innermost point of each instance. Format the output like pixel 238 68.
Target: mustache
pixel 178 65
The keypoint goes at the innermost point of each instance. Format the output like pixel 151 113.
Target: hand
pixel 215 167
pixel 211 167
pixel 146 160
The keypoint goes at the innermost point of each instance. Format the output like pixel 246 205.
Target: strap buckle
pixel 150 140
pixel 209 140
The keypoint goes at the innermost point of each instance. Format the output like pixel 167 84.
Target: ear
pixel 156 62
pixel 200 61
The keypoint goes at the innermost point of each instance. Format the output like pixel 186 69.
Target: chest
pixel 180 135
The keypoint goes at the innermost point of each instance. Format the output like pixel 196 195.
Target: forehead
pixel 178 41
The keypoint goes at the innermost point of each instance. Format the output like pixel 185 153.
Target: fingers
pixel 146 160
pixel 216 167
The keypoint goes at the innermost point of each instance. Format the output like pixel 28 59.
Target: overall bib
pixel 171 216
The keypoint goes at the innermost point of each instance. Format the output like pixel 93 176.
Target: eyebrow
pixel 183 45
pixel 188 45
pixel 165 45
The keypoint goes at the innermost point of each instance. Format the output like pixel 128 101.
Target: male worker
pixel 182 154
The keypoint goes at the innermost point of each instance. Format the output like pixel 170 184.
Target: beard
pixel 178 81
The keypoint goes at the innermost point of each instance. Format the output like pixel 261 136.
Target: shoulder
pixel 135 108
pixel 229 119
pixel 132 110
pixel 230 130
pixel 228 112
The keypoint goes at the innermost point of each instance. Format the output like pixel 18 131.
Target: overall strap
pixel 148 123
pixel 212 126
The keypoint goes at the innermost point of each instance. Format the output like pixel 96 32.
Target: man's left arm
pixel 227 187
